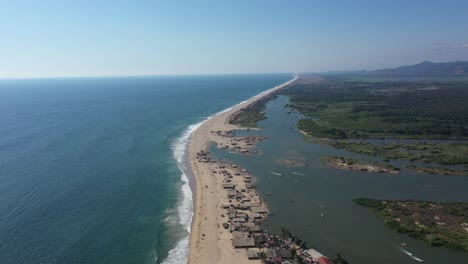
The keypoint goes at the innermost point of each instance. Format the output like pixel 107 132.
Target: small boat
pixel 297 173
pixel 412 256
pixel 322 215
pixel 323 206
pixel 296 181
pixel 276 173
pixel 267 193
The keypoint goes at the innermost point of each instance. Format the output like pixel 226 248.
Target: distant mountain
pixel 428 68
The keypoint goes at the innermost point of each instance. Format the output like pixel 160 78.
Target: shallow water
pixel 346 228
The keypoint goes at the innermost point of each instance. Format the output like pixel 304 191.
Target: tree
pixel 304 244
pixel 338 259
pixel 262 255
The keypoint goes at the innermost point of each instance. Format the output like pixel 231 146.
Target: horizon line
pixel 138 75
pixel 201 74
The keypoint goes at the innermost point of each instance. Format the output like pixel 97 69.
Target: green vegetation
pixel 248 117
pixel 338 259
pixel 359 165
pixel 442 153
pixel 308 125
pixel 439 170
pixel 252 114
pixel 439 224
pixel 285 233
pixel 340 109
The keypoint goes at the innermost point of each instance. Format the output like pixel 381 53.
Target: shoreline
pixel 207 244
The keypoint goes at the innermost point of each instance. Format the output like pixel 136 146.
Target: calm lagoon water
pixel 346 228
pixel 89 167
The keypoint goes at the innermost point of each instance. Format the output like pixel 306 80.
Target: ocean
pixel 92 170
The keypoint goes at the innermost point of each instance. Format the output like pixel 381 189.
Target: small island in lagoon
pixel 359 165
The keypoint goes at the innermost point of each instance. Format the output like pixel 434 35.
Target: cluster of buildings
pixel 242 212
pixel 276 249
pixel 239 144
pixel 243 207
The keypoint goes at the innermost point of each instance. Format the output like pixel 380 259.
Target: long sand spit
pixel 209 242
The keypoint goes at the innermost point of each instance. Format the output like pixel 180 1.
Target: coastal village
pixel 238 144
pixel 243 210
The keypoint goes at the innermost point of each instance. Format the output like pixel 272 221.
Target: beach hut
pixel 255 229
pixel 256 216
pixel 228 186
pixel 239 220
pixel 241 215
pixel 252 254
pixel 257 209
pixel 242 240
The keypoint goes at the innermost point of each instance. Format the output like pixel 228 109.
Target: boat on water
pixel 297 173
pixel 276 173
pixel 296 181
pixel 411 255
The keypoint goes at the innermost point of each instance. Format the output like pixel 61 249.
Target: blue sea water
pixel 90 168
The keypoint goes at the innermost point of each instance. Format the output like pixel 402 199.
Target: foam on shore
pixel 179 254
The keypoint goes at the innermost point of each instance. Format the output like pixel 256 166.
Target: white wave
pixel 179 254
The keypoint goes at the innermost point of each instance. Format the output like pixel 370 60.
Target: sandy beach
pixel 209 241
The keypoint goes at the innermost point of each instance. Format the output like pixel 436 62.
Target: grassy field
pixel 439 224
pixel 345 163
pixel 248 118
pixel 252 114
pixel 339 121
pixel 340 108
pixel 439 170
pixel 442 153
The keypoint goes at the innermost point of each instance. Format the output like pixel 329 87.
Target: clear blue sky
pixel 98 37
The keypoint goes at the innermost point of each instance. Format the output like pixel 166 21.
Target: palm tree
pixel 338 259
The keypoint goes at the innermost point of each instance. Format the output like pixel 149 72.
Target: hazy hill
pixel 428 68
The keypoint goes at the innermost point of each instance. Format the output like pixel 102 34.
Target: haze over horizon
pixel 122 38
